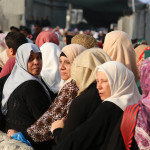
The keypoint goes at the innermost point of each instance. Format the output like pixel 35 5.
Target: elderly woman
pixel 83 106
pixel 25 96
pixel 40 130
pixel 117 89
pixel 132 131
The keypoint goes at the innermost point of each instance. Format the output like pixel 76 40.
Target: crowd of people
pixel 75 90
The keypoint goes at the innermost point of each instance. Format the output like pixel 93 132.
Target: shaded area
pixel 101 12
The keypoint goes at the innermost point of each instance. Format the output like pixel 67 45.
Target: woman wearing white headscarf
pixel 41 130
pixel 50 69
pixel 117 89
pixel 25 97
pixel 83 106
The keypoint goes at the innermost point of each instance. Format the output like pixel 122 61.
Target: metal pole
pixel 68 18
pixel 133 6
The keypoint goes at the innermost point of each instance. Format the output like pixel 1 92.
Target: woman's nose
pixel 36 61
pixel 62 66
pixel 99 85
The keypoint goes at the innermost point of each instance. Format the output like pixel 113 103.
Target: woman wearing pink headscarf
pixel 119 47
pixel 46 36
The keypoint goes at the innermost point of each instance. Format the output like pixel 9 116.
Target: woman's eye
pixel 30 58
pixel 67 62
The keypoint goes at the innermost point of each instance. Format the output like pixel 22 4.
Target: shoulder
pixel 110 108
pixel 11 61
pixel 89 95
pixel 30 84
pixel 69 87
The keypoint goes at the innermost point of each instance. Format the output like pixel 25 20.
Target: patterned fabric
pixel 139 50
pixel 128 123
pixel 40 130
pixel 142 130
pixel 85 40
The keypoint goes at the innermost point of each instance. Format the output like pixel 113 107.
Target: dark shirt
pixel 82 107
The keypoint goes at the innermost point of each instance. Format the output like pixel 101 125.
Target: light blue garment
pixel 20 137
pixel 20 73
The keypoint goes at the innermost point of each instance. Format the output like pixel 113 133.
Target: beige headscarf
pixel 83 67
pixel 139 50
pixel 72 51
pixel 85 40
pixel 119 47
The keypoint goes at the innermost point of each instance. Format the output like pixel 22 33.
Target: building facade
pixel 21 12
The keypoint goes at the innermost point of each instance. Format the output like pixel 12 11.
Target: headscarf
pixel 123 88
pixel 2 41
pixel 20 73
pixel 46 36
pixel 72 51
pixel 50 69
pixel 119 47
pixel 142 129
pixel 83 67
pixel 140 51
pixel 85 40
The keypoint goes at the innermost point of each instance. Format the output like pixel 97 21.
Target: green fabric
pixel 139 87
pixel 147 54
pixel 115 6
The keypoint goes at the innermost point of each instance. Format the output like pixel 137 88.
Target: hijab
pixel 72 51
pixel 139 51
pixel 119 47
pixel 2 41
pixel 123 88
pixel 50 69
pixel 85 40
pixel 46 36
pixel 20 73
pixel 142 129
pixel 83 67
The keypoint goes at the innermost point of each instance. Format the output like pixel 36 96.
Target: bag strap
pixel 128 123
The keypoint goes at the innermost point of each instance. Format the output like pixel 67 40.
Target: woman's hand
pixel 58 124
pixel 11 132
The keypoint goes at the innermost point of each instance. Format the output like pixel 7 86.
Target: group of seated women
pixel 95 105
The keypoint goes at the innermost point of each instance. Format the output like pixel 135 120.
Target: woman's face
pixel 35 63
pixel 103 85
pixel 64 68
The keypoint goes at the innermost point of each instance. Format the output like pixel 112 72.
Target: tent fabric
pixel 115 6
